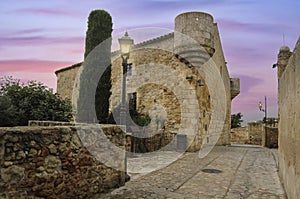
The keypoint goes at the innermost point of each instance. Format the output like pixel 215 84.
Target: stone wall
pixel 192 30
pixel 165 76
pixel 255 132
pixel 270 137
pixel 51 162
pixel 49 123
pixel 220 62
pixel 239 135
pixel 153 142
pixel 66 80
pixel 289 119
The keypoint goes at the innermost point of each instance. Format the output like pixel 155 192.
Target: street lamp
pixel 260 106
pixel 125 46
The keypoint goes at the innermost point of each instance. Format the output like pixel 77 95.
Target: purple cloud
pixel 44 11
pixel 29 31
pixel 247 82
pixel 250 27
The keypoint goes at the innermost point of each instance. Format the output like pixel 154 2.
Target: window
pixel 132 101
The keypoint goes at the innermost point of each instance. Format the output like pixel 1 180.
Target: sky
pixel 38 37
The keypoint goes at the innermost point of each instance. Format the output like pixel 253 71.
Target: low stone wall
pixel 255 132
pixel 49 123
pixel 239 135
pixel 153 143
pixel 52 162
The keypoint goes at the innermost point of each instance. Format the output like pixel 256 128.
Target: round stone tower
pixel 194 37
pixel 283 59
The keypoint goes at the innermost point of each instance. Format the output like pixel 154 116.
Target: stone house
pixel 180 79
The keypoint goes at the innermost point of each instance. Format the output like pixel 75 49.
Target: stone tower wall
pixel 197 25
pixel 289 120
pixel 220 62
pixel 154 69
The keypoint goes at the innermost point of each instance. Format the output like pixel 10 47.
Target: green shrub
pixel 21 102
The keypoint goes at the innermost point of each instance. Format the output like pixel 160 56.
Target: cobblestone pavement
pixel 238 172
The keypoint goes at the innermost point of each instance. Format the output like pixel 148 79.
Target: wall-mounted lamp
pixel 274 65
pixel 189 77
pixel 200 83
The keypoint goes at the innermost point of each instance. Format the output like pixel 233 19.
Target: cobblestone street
pixel 233 172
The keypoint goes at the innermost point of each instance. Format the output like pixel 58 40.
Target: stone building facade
pixel 180 79
pixel 289 119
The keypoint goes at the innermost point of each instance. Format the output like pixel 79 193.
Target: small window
pixel 132 101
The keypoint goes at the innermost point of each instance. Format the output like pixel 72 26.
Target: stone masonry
pixel 52 162
pixel 256 133
pixel 289 119
pixel 159 78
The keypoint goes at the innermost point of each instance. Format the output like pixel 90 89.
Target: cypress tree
pixel 99 29
pixel 93 102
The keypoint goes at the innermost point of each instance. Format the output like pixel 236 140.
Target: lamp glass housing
pixel 260 106
pixel 126 43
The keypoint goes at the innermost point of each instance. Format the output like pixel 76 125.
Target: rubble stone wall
pixel 52 162
pixel 239 135
pixel 255 132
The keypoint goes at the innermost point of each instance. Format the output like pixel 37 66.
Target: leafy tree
pixel 236 120
pixel 7 112
pixel 21 102
pixel 97 63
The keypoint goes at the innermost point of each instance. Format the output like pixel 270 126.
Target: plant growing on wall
pixel 21 102
pixel 135 117
pixel 97 63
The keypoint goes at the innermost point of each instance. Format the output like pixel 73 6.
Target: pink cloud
pixel 7 66
pixel 73 51
pixel 38 40
pixel 49 79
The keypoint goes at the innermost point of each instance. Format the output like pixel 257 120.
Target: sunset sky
pixel 38 37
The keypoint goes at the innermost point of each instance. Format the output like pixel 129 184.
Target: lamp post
pixel 260 106
pixel 125 46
